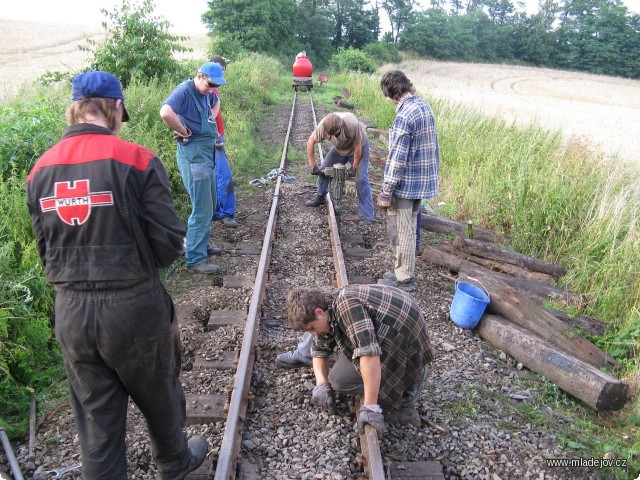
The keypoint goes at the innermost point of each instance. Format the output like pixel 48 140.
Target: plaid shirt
pixel 370 320
pixel 411 170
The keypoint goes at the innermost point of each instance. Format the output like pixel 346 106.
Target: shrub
pixel 382 52
pixel 351 59
pixel 27 130
pixel 138 45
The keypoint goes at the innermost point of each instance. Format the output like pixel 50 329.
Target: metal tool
pixel 61 472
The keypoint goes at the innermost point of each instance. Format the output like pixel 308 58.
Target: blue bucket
pixel 468 305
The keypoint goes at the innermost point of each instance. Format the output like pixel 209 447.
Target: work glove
pixel 315 170
pixel 375 419
pixel 384 199
pixel 351 172
pixel 323 396
pixel 220 141
pixel 178 137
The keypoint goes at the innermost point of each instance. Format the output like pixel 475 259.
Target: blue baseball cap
pixel 98 84
pixel 214 71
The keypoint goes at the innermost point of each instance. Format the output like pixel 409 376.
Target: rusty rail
pixel 369 443
pixel 230 446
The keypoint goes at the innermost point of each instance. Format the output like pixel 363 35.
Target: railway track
pixel 228 461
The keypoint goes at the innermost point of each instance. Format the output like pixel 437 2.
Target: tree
pixel 400 13
pixel 361 24
pixel 595 35
pixel 355 25
pixel 267 26
pixel 314 31
pixel 138 44
pixel 534 37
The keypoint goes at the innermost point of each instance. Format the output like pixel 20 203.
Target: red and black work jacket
pixel 102 211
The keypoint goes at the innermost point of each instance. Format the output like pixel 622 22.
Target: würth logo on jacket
pixel 73 201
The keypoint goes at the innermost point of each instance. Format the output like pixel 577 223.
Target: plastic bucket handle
pixel 482 287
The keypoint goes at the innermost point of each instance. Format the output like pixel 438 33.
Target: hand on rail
pixel 373 418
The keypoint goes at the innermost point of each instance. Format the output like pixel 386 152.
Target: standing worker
pixel 383 343
pixel 410 174
pixel 350 144
pixel 104 223
pixel 190 111
pixel 225 209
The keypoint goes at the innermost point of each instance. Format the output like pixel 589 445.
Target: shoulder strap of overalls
pixel 195 99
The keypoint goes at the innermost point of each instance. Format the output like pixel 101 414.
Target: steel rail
pixel 230 446
pixel 369 444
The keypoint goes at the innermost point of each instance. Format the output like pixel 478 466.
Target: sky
pixel 183 19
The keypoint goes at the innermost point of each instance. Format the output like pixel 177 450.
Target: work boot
pixel 292 360
pixel 316 201
pixel 229 222
pixel 408 285
pixel 206 268
pixel 213 250
pixel 198 448
pixel 389 275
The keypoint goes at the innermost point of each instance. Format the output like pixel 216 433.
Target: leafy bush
pixel 351 59
pixel 27 349
pixel 382 52
pixel 138 45
pixel 27 130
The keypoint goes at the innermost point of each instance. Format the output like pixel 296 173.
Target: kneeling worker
pixel 385 347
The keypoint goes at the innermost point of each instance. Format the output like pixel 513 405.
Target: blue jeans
pixel 363 187
pixel 226 196
pixel 196 164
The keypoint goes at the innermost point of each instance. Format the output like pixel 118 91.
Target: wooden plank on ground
pixel 238 281
pixel 249 249
pixel 597 389
pixel 538 292
pixel 500 266
pixel 439 224
pixel 361 280
pixel 222 318
pixel 422 470
pixel 203 409
pixel 226 360
pixel 593 325
pixel 352 239
pixel 357 252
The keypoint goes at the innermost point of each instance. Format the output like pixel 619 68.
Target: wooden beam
pixel 439 224
pixel 488 250
pixel 597 389
pixel 536 291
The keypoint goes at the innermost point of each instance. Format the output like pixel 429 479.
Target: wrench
pixel 61 472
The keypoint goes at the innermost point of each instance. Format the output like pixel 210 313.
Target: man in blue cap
pixel 190 111
pixel 103 219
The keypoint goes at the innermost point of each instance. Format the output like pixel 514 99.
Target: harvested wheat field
pixel 598 112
